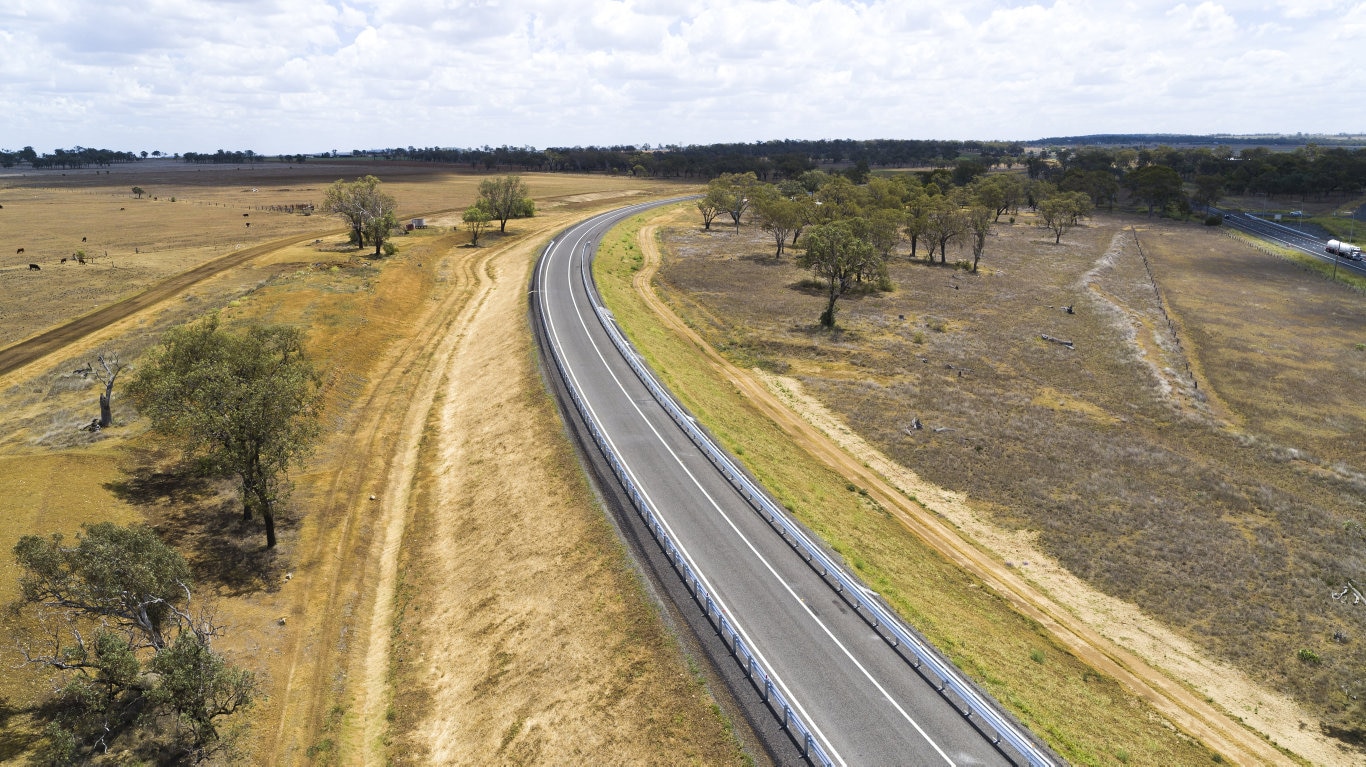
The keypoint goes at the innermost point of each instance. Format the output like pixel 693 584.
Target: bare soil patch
pixel 1138 461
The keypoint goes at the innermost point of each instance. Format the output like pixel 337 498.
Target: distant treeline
pixel 1308 171
pixel 1333 167
pixel 1311 170
pixel 221 158
pixel 1217 139
pixel 77 157
pixel 765 159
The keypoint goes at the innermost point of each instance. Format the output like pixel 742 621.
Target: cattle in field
pixel 82 239
pixel 244 215
pixel 34 268
pixel 17 252
pixel 64 260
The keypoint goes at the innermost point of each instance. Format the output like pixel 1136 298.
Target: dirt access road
pixel 798 417
pixel 451 592
pixel 38 346
pixel 460 597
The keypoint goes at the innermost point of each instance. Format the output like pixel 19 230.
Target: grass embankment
pixel 306 615
pixel 1086 716
pixel 1307 262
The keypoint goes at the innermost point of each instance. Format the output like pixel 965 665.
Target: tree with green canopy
pixel 506 197
pixel 114 620
pixel 835 254
pixel 777 215
pixel 243 403
pixel 477 220
pixel 1155 185
pixel 370 213
pixel 1064 210
pixel 979 218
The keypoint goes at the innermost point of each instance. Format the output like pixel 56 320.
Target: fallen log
pixel 1058 341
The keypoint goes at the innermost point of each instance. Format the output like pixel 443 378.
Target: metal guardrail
pixel 754 669
pixel 896 633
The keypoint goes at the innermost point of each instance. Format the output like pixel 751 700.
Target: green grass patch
pixel 1080 712
pixel 1340 227
pixel 1309 263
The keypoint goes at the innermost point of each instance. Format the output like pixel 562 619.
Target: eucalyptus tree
pixel 835 254
pixel 243 404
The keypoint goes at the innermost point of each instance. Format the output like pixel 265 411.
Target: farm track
pixel 1185 708
pixel 48 341
pixel 353 546
pixel 352 565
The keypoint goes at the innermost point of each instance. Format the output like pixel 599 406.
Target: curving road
pixel 860 700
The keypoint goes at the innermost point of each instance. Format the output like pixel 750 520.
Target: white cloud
pixel 295 75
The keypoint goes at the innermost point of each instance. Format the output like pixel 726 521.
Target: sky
pixel 288 76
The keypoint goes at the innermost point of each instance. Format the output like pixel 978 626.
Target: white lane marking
pixel 697 571
pixel 754 550
pixel 750 545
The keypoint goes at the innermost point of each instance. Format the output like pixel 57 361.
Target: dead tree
pixel 112 367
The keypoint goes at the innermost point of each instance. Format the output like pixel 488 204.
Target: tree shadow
pixel 147 487
pixel 201 517
pixel 768 259
pixel 15 738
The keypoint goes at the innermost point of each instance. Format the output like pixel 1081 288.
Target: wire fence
pixel 1162 307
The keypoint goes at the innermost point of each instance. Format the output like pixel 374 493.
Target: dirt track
pixel 453 592
pixel 1186 709
pixel 459 597
pixel 36 347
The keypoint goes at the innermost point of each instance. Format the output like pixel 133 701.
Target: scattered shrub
pixel 1309 656
pixel 1214 220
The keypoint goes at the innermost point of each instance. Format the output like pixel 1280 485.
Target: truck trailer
pixel 1343 250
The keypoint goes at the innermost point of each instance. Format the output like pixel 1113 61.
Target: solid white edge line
pixel 716 506
pixel 731 615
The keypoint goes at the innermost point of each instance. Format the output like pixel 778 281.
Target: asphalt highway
pixel 1288 237
pixel 862 701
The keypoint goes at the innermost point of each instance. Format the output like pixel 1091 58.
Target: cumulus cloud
pixel 299 75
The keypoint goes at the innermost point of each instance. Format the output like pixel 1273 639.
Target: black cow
pixel 34 268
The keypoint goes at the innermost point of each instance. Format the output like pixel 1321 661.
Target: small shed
pixel 418 223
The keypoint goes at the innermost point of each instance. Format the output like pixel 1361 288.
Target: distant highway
pixel 860 699
pixel 1287 237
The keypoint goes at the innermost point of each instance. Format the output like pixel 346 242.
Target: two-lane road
pixel 863 703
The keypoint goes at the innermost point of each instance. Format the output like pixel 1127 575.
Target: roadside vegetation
pixel 301 620
pixel 1086 716
pixel 1175 426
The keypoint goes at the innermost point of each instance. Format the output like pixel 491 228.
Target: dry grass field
pixel 1196 454
pixel 445 589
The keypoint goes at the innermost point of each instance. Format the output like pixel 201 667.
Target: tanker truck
pixel 1344 250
